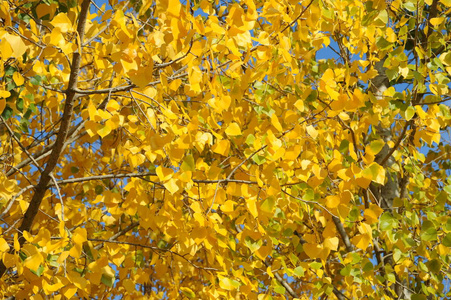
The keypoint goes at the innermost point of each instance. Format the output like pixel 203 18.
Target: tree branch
pixel 283 282
pixel 343 233
pixel 398 142
pixel 42 186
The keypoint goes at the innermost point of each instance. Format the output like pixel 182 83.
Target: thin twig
pixel 13 199
pixel 59 195
pixel 310 202
pixel 298 17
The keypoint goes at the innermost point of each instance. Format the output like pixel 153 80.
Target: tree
pixel 204 149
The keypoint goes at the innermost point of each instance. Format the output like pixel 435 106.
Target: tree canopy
pixel 220 149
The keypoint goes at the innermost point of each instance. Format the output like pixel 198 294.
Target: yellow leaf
pixel 171 185
pixel 79 236
pixel 91 128
pixel 264 251
pixel 372 214
pixel 18 47
pixel 112 105
pixel 34 258
pixel 69 291
pixel 9 260
pixel 329 78
pixel 375 147
pixel 312 131
pixel 332 201
pixel 129 285
pixel 5 48
pixel 228 284
pixel 24 205
pixel 50 288
pixel 299 105
pixel 228 206
pixel 269 271
pixel 222 147
pixel 4 94
pixel 174 7
pixel 364 178
pixel 62 230
pixel 233 129
pixel 4 13
pixel 195 78
pixel 150 91
pixel 251 205
pixel 28 236
pixel 2 104
pixel 437 21
pixel 56 37
pixel 331 243
pixel 188 292
pixel 378 173
pixel 3 245
pixel 16 242
pixel 275 122
pixel 361 241
pixel 164 173
pixel 316 251
pixel 18 78
pixel 104 131
pixel 62 22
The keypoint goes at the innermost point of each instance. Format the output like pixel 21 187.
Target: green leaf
pixel 344 146
pixel 410 5
pixel 434 266
pixel 369 18
pixel 383 44
pixel 428 231
pixel 7 113
pixel 346 271
pixel 107 280
pixel 252 245
pixel 376 146
pixel 250 139
pixel 9 70
pixel 53 260
pixel 188 292
pixel 36 80
pixel 448 225
pixel 381 19
pixel 316 265
pixel 280 290
pixel 409 113
pixel 188 164
pixel 268 204
pixel 368 267
pixel 387 221
pixel 258 159
pixel 99 189
pixel 299 271
pixel 447 240
pixel 19 104
pixel 448 189
pixel 88 251
pixel 39 271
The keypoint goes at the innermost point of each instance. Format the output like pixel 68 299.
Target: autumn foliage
pixel 225 149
